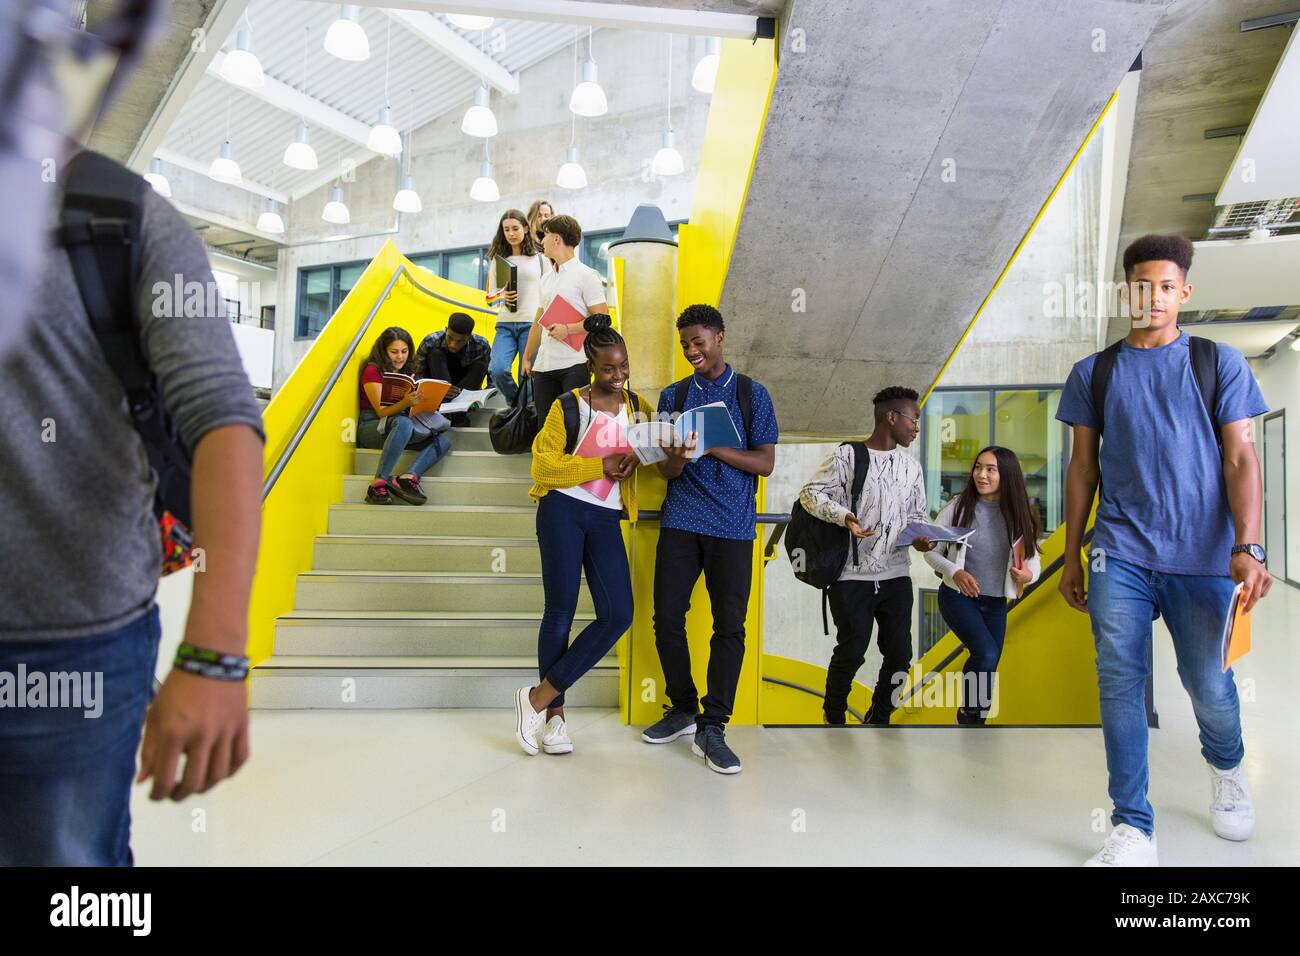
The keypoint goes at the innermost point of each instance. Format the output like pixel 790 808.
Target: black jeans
pixel 726 564
pixel 548 386
pixel 854 605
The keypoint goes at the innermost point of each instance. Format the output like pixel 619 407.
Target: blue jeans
pixel 1122 602
pixel 980 623
pixel 507 344
pixel 396 439
pixel 575 536
pixel 66 773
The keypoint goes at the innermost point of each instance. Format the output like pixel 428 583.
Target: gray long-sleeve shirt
pixel 79 546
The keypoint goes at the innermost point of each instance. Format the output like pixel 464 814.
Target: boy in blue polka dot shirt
pixel 707 525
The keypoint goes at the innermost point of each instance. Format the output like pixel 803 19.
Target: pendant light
pixel 479 119
pixel 668 161
pixel 468 22
pixel 706 71
pixel 588 98
pixel 224 169
pixel 157 180
pixel 571 174
pixel 384 138
pixel 346 38
pixel 484 188
pixel 270 219
pixel 407 199
pixel 299 154
pixel 336 210
pixel 241 66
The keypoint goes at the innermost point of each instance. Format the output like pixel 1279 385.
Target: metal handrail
pixel 283 460
pixel 808 690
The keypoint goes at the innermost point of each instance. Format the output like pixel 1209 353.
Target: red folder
pixel 560 312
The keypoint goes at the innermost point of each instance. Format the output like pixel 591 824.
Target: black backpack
pixel 818 550
pixel 744 398
pixel 1205 367
pixel 572 426
pixel 99 226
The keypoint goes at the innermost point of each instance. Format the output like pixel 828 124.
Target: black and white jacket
pixel 892 495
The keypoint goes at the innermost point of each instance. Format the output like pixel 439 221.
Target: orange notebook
pixel 1236 631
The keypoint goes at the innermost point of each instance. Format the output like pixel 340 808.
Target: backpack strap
pixel 569 406
pixel 861 463
pixel 745 399
pixel 1205 367
pixel 1102 370
pixel 99 226
pixel 679 394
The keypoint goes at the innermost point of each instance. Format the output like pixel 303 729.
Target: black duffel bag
pixel 512 431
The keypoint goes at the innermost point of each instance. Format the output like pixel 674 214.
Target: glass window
pixel 347 278
pixel 432 262
pixel 1025 421
pixel 956 427
pixel 595 251
pixel 465 267
pixel 314 301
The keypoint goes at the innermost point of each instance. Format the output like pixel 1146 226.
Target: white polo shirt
pixel 579 284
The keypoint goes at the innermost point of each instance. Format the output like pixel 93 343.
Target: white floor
pixel 452 787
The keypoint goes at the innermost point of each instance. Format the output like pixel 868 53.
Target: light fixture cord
pixel 670 83
pixel 388 55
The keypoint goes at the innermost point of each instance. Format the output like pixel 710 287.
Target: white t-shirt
pixel 615 499
pixel 529 271
pixel 579 284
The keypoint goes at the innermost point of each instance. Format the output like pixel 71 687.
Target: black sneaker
pixel 833 720
pixel 712 746
pixel 673 724
pixel 379 495
pixel 408 489
pixel 875 718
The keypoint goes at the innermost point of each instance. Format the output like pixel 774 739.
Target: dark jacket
pixel 431 360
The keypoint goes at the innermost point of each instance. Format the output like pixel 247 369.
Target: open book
pixel 605 436
pixel 467 401
pixel 396 385
pixel 1236 631
pixel 935 532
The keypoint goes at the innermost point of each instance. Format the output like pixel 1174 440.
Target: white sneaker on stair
pixel 527 722
pixel 1232 814
pixel 556 739
pixel 1126 846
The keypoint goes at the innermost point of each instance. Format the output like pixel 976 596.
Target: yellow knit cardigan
pixel 553 469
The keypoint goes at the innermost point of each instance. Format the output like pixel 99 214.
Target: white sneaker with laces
pixel 1126 846
pixel 1232 813
pixel 527 722
pixel 556 739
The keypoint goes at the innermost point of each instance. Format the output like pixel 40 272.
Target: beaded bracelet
pixel 206 663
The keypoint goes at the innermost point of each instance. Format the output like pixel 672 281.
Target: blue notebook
pixel 712 425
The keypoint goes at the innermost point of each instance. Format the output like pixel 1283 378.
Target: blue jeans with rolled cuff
pixel 396 438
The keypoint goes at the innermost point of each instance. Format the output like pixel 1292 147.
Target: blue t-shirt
pixel 709 496
pixel 1164 505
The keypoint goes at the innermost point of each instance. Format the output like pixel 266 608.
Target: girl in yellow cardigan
pixel 579 531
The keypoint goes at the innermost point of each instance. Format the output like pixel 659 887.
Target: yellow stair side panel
pixel 296 511
pixel 735 126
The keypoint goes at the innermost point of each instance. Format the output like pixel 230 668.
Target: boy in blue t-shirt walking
pixel 707 524
pixel 1177 527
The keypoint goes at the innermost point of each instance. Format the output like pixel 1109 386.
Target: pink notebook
pixel 561 312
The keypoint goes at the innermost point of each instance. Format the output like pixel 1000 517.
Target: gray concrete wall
pixel 535 128
pixel 904 156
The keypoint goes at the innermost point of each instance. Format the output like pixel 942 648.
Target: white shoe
pixel 556 739
pixel 527 723
pixel 1126 846
pixel 1231 812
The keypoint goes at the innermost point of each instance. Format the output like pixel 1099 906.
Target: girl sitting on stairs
pixel 390 426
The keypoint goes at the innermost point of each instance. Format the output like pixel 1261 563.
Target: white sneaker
pixel 556 739
pixel 1126 846
pixel 527 723
pixel 1231 812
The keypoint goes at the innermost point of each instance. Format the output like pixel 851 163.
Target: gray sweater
pixel 80 550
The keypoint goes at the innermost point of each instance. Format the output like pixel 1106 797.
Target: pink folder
pixel 561 312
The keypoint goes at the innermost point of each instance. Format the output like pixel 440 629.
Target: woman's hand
pixel 627 466
pixel 1020 575
pixel 856 529
pixel 512 299
pixel 966 584
pixel 558 332
pixel 525 368
pixel 613 465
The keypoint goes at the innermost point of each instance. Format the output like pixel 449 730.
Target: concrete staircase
pixel 435 606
